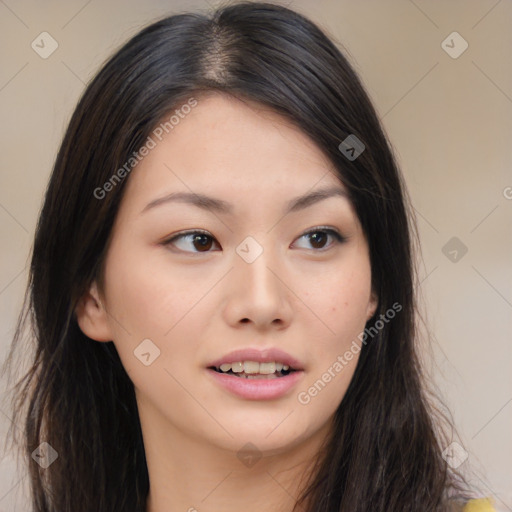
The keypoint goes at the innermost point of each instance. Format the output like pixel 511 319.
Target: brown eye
pixel 203 242
pixel 318 238
pixel 191 241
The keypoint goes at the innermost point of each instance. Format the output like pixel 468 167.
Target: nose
pixel 258 293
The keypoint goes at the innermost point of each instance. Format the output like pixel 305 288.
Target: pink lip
pixel 259 356
pixel 257 389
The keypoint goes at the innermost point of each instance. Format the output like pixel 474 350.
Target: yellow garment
pixel 480 505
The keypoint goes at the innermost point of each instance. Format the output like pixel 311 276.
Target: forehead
pixel 229 147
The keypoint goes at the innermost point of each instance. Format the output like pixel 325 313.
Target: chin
pixel 267 439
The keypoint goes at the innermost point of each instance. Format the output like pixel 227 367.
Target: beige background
pixel 450 122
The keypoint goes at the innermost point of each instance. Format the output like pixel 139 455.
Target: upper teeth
pixel 254 367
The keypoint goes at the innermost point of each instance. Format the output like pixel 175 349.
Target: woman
pixel 222 287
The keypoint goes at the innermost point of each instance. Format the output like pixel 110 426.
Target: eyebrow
pixel 223 207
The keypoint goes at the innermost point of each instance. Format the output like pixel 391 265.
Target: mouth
pixel 254 370
pixel 256 373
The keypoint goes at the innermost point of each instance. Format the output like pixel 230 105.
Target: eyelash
pixel 338 238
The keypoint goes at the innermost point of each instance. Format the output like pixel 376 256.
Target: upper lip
pixel 260 356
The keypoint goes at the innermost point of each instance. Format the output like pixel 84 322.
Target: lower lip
pixel 257 389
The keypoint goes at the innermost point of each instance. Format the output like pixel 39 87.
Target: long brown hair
pixel 384 453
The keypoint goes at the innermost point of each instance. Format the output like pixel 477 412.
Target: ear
pixel 92 316
pixel 372 305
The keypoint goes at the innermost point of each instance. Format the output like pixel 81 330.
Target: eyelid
pixel 329 230
pixel 182 234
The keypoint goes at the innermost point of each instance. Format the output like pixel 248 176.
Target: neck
pixel 188 474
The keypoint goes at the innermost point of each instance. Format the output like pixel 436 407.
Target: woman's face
pixel 251 280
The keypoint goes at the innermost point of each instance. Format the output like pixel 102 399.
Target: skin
pixel 310 299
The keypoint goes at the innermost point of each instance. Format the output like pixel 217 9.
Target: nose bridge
pixel 254 261
pixel 258 294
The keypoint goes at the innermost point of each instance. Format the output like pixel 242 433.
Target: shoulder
pixel 479 505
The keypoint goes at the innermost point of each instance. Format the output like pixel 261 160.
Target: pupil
pixel 314 238
pixel 203 240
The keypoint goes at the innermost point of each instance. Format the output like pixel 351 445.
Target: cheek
pixel 340 301
pixel 349 302
pixel 149 299
pixel 146 295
